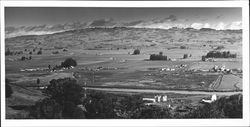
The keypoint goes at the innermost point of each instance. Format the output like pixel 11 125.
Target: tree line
pixel 218 54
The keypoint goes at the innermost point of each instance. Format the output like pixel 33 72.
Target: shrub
pixel 8 52
pixel 136 52
pixel 39 52
pixel 154 112
pixel 183 47
pixel 220 47
pixel 203 58
pixel 68 63
pixel 185 56
pixel 23 58
pixel 160 53
pixel 55 52
pixel 37 81
pixel 8 89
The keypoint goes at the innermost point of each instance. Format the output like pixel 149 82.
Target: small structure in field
pixel 156 99
pixel 213 98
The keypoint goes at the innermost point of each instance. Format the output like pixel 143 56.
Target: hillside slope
pixel 125 38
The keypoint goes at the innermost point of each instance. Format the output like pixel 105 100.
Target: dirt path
pixel 162 91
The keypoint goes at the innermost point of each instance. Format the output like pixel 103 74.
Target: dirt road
pixel 162 91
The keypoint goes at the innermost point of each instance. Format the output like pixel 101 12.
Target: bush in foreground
pixel 47 109
pixel 63 96
pixel 225 107
pixel 8 89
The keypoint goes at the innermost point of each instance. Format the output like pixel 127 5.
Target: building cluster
pixel 156 99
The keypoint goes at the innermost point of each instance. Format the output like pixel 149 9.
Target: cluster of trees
pixel 218 54
pixel 225 107
pixel 159 56
pixel 34 50
pixel 63 96
pixel 68 63
pixel 9 53
pixel 26 58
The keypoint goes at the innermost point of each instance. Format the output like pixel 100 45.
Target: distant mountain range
pixel 164 23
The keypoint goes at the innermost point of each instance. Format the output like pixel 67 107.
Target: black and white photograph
pixel 110 63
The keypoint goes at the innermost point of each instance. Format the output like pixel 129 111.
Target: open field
pixel 105 63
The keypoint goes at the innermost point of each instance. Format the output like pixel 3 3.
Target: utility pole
pixel 93 77
pixel 85 90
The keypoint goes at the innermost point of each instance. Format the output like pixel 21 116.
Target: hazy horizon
pixel 40 20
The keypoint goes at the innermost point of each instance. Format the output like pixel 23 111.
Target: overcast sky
pixel 154 17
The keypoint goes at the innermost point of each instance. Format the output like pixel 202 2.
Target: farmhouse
pixel 213 98
pixel 156 99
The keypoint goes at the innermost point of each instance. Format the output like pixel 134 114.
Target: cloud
pixel 235 25
pixel 170 18
pixel 41 29
pixel 218 26
pixel 206 25
pixel 197 25
pixel 164 23
pixel 133 23
pixel 103 22
pixel 204 19
pixel 219 16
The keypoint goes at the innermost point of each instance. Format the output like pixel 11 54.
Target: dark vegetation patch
pixel 136 52
pixel 66 99
pixel 8 89
pixel 218 54
pixel 159 56
pixel 68 63
pixel 225 107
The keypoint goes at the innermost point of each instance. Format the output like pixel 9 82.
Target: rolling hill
pixel 125 38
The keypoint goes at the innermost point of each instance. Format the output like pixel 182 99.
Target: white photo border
pixel 130 122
